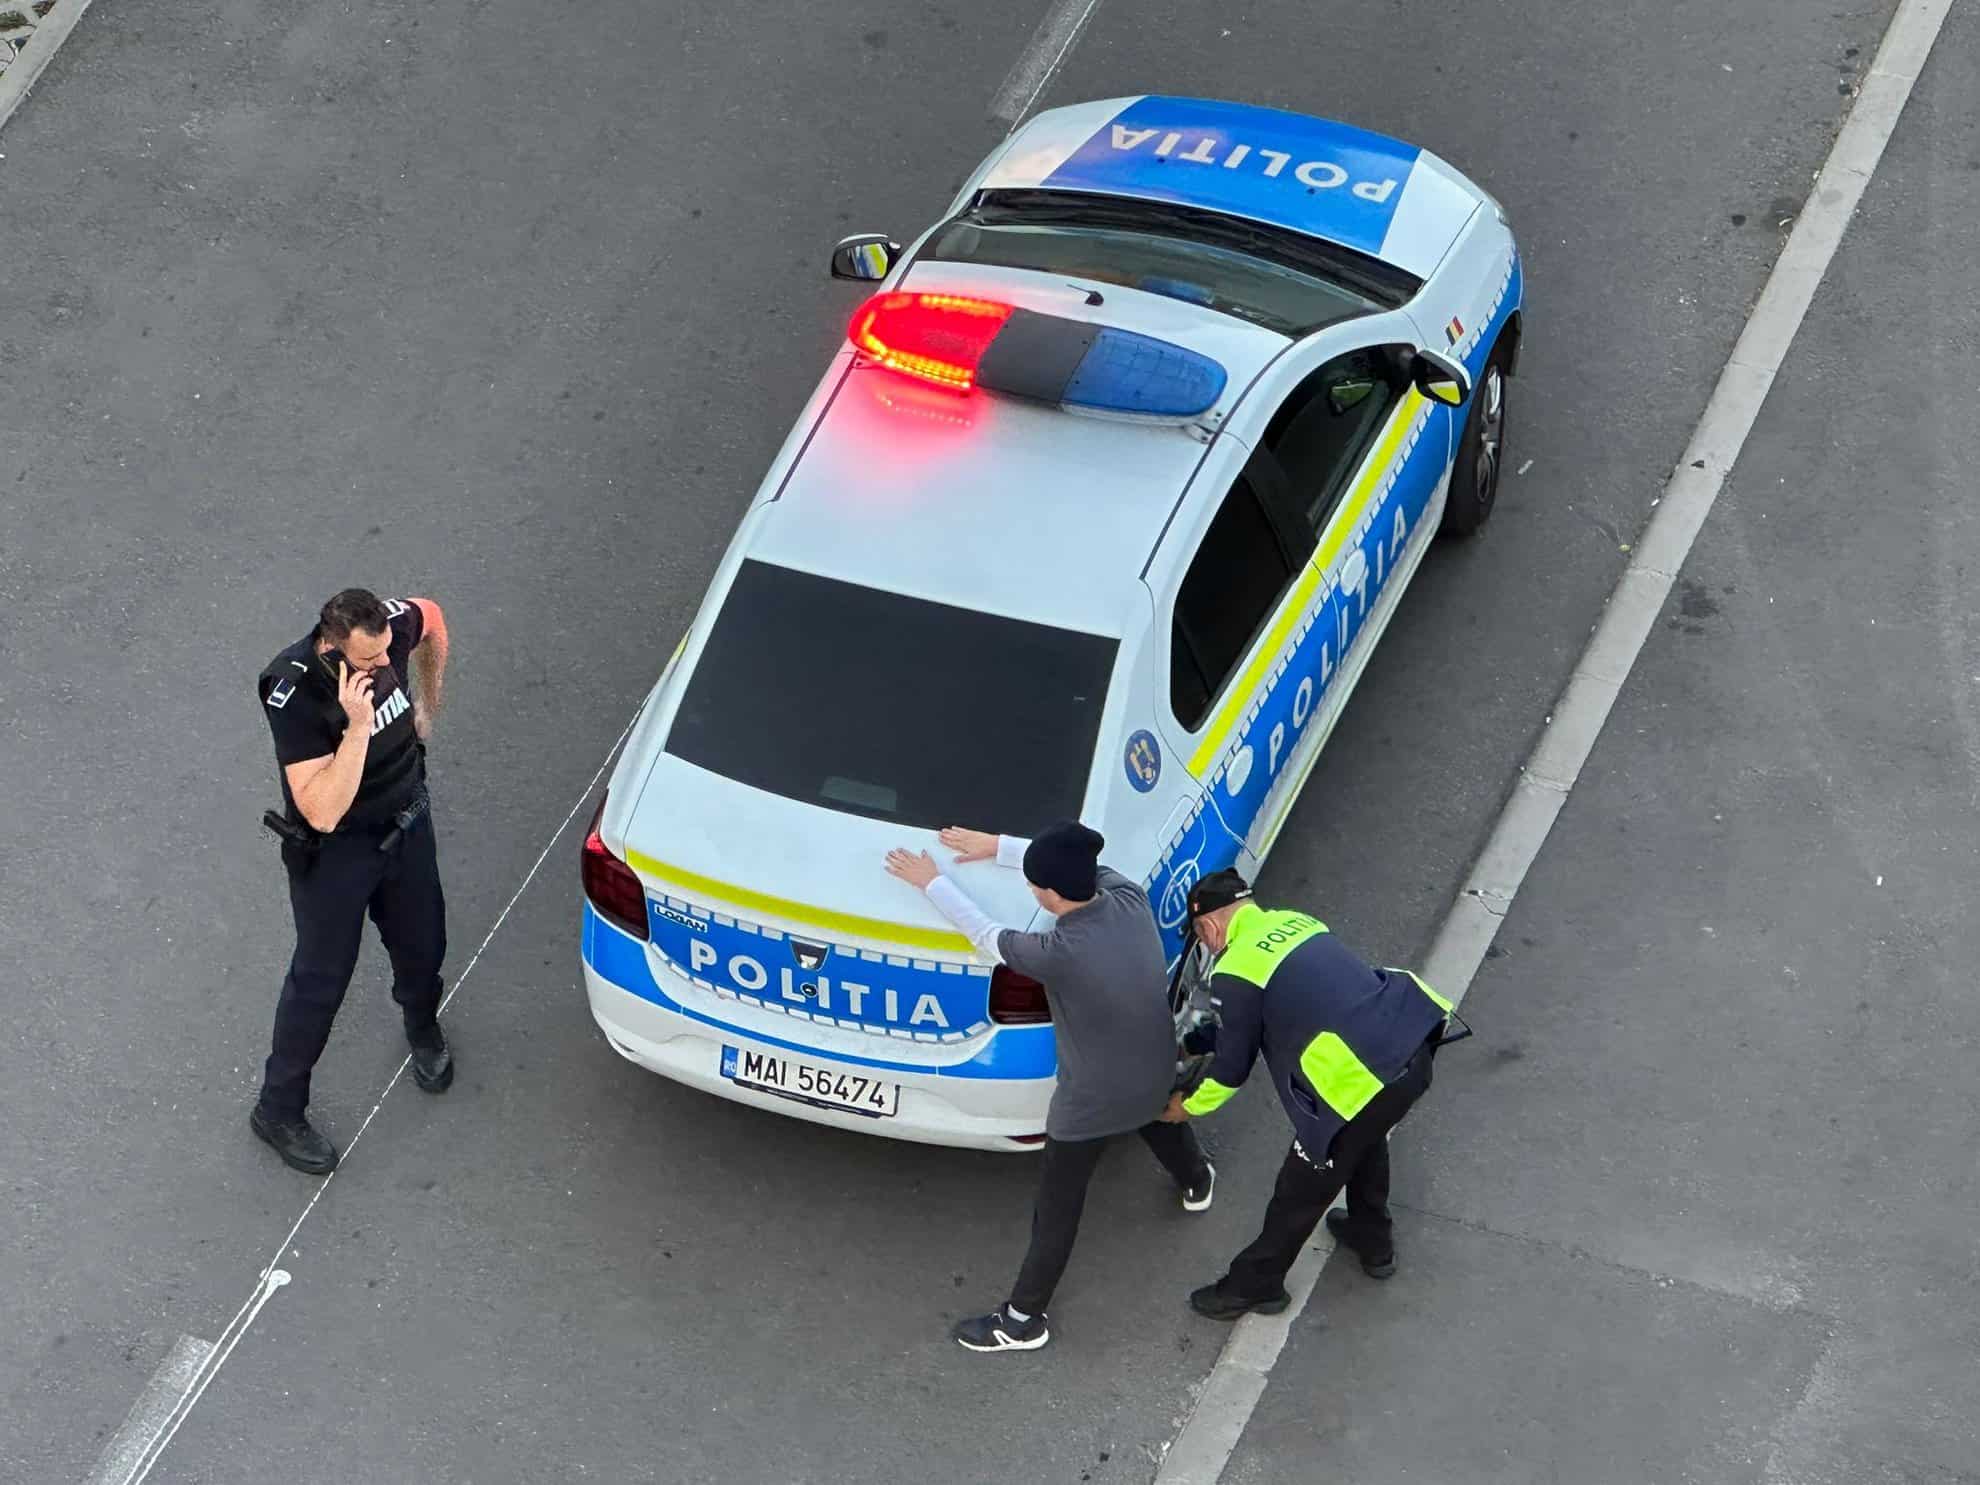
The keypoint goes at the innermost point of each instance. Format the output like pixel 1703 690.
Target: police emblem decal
pixel 809 956
pixel 1144 760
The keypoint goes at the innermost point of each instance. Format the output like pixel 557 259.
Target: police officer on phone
pixel 351 705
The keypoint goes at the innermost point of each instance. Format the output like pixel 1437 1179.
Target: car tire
pixel 1481 459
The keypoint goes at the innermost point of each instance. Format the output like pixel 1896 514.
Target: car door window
pixel 1323 432
pixel 1233 585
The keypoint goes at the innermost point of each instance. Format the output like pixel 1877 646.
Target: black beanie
pixel 1064 859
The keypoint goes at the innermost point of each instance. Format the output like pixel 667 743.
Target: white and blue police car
pixel 1098 513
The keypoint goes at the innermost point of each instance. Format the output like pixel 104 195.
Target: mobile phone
pixel 326 677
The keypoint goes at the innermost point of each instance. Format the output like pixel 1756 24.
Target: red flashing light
pixel 940 338
pixel 610 884
pixel 1017 1000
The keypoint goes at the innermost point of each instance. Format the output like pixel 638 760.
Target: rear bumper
pixel 656 1025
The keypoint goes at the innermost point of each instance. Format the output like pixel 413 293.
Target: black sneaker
pixel 1196 1198
pixel 1375 1265
pixel 997 1331
pixel 432 1061
pixel 1215 1303
pixel 299 1145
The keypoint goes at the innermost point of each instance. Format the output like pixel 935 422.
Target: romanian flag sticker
pixel 1453 332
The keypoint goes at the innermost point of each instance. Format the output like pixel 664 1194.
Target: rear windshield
pixel 892 707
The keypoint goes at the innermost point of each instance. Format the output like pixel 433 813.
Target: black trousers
pixel 1065 1170
pixel 1359 1160
pixel 331 894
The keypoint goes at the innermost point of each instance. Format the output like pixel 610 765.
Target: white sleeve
pixel 956 905
pixel 1010 850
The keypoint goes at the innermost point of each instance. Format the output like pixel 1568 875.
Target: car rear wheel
pixel 1482 454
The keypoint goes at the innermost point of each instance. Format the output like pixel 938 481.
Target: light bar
pixel 1139 376
pixel 940 338
pixel 960 343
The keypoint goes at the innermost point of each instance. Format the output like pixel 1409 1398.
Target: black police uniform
pixel 371 863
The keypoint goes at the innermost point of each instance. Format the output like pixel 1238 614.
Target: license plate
pixel 805 1082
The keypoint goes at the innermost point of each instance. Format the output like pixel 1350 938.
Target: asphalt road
pixel 1698 1203
pixel 511 306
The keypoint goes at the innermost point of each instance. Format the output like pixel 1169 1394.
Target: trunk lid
pixel 788 905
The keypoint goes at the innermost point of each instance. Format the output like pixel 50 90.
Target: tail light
pixel 1017 1000
pixel 610 884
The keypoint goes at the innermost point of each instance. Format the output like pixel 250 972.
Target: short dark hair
pixel 353 609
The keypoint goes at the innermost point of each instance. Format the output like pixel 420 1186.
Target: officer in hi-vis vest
pixel 1349 1048
pixel 351 705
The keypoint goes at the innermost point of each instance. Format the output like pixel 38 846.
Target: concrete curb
pixel 1217 1423
pixel 28 48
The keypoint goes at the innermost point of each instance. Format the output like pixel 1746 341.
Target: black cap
pixel 1218 890
pixel 1065 859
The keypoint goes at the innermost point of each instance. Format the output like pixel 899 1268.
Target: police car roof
pixel 991 503
pixel 1365 191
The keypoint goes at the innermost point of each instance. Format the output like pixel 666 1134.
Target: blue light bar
pixel 1139 376
pixel 1083 367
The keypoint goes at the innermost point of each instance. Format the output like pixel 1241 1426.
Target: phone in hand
pixel 335 666
pixel 331 659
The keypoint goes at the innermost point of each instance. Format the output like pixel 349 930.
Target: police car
pixel 1098 512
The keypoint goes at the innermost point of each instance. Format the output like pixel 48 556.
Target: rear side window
pixel 893 707
pixel 1233 584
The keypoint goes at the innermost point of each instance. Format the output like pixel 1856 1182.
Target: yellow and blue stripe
pixel 1256 728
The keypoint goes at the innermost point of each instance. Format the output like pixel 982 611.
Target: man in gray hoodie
pixel 1105 977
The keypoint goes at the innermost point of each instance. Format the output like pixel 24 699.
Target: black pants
pixel 1359 1160
pixel 331 894
pixel 1065 1170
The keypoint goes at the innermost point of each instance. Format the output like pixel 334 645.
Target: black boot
pixel 432 1060
pixel 299 1145
pixel 1376 1265
pixel 1216 1303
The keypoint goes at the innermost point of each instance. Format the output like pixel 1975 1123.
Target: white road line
pixel 43 42
pixel 195 1387
pixel 1055 36
pixel 1231 1392
pixel 273 1277
pixel 172 1380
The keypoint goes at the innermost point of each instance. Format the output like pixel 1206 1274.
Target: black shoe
pixel 1215 1303
pixel 299 1145
pixel 432 1061
pixel 1375 1265
pixel 1196 1198
pixel 997 1331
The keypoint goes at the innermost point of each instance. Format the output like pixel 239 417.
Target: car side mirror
pixel 1440 379
pixel 868 257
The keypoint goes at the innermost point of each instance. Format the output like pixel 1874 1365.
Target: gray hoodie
pixel 1106 979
